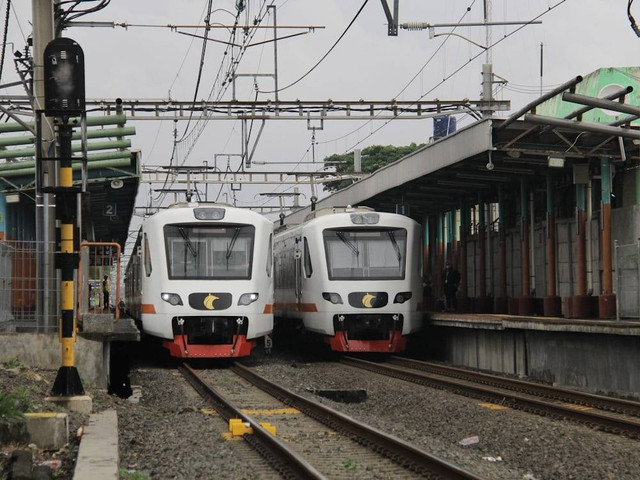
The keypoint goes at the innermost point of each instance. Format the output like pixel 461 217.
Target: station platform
pixel 597 356
pixel 551 324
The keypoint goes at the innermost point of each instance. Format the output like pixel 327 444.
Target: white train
pixel 352 275
pixel 201 278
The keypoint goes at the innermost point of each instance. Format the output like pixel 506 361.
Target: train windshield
pixel 197 252
pixel 366 254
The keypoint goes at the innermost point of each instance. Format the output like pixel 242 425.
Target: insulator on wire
pixel 415 26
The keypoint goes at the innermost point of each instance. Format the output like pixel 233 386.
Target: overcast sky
pixel 579 36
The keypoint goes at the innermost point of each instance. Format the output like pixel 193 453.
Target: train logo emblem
pixel 209 300
pixel 367 299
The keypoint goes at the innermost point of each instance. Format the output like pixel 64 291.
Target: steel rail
pixel 627 407
pixel 286 461
pixel 627 427
pixel 392 447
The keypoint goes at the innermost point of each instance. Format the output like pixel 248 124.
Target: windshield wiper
pixel 187 241
pixel 233 242
pixel 348 243
pixel 396 247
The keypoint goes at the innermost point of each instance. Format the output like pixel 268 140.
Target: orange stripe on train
pixel 147 308
pixel 302 307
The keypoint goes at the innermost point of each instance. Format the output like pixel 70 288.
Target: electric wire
pixel 324 56
pixel 455 72
pixel 197 130
pixel 634 25
pixel 4 36
pixel 461 67
pixel 440 47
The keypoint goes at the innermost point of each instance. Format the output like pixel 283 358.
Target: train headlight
pixel 247 298
pixel 208 213
pixel 171 298
pixel 402 297
pixel 365 218
pixel 332 297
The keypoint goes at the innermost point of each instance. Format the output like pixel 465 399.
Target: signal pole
pixel 64 99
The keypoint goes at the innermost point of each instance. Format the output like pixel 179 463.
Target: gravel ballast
pixel 167 432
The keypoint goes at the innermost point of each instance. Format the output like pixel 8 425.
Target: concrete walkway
pixel 98 453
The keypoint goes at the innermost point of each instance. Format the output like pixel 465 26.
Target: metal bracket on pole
pixel 392 19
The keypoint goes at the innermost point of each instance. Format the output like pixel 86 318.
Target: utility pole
pixel 43 33
pixel 487 67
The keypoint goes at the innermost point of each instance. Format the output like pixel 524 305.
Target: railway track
pixel 313 441
pixel 612 415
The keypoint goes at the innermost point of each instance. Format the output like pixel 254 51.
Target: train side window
pixel 270 256
pixel 147 257
pixel 308 268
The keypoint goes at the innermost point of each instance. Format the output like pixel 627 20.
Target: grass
pixel 127 475
pixel 9 407
pixel 350 464
pixel 11 362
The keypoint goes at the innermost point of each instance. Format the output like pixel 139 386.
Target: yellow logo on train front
pixel 367 299
pixel 209 300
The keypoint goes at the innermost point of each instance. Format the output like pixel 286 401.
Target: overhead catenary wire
pixel 448 77
pixel 4 36
pixel 461 67
pixel 632 20
pixel 335 44
pixel 440 46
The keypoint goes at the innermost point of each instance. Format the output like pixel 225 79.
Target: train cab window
pixel 270 256
pixel 209 251
pixel 308 268
pixel 147 257
pixel 371 254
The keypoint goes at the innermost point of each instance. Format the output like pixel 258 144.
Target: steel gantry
pixel 168 109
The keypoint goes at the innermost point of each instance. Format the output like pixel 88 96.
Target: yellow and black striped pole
pixel 68 381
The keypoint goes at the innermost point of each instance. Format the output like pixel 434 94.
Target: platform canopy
pixel 500 152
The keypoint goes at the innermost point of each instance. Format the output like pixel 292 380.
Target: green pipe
pixel 30 152
pixel 91 121
pixel 107 132
pixel 97 133
pixel 106 160
pixel 22 140
pixel 581 197
pixel 605 175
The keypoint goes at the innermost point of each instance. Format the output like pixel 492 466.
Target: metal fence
pixel 23 275
pixel 627 267
pixel 26 268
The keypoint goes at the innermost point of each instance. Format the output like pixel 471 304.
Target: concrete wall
pixel 596 363
pixel 43 351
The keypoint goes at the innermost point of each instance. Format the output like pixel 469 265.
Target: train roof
pixel 177 210
pixel 331 210
pixel 329 217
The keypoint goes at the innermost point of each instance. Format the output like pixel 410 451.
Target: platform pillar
pixel 525 303
pixel 463 300
pixel 502 301
pixel 581 303
pixel 607 300
pixel 552 306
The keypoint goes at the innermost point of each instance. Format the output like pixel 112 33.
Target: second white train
pixel 353 276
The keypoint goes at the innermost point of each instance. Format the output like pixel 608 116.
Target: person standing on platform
pixel 105 292
pixel 451 278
